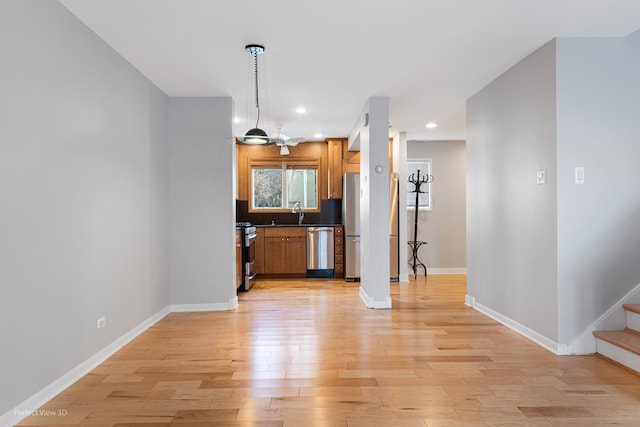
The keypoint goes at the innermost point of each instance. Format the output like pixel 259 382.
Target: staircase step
pixel 621 346
pixel 635 308
pixel 625 338
pixel 633 316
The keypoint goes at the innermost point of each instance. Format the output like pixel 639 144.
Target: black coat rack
pixel 417 180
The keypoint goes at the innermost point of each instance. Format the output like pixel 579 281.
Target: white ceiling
pixel 427 56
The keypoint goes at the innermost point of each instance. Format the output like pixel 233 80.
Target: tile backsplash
pixel 330 213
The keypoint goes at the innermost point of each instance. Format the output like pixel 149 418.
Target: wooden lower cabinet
pixel 338 251
pixel 275 253
pixel 282 251
pixel 285 251
pixel 259 261
pixel 296 259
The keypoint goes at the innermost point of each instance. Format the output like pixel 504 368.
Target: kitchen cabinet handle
pixel 318 229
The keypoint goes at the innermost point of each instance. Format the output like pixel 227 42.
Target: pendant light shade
pixel 256 135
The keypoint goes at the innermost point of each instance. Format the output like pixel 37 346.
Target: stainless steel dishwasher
pixel 320 252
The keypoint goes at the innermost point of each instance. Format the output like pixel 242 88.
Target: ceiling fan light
pixel 255 136
pixel 284 150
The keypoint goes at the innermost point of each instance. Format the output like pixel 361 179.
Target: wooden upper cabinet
pixel 351 159
pixel 310 153
pixel 334 147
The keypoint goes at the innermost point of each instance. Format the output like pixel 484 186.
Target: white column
pixel 374 205
pixel 400 167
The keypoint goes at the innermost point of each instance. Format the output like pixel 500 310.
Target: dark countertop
pixel 297 225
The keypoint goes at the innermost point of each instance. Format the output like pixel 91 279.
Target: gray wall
pixel 444 227
pixel 598 128
pixel 83 196
pixel 511 221
pixel 202 213
pixel 556 257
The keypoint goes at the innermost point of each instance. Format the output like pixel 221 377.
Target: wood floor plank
pixel 308 353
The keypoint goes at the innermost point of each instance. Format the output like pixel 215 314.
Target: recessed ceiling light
pixel 318 135
pixel 236 120
pixel 431 125
pixel 301 110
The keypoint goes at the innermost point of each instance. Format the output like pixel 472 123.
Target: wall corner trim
pixel 469 301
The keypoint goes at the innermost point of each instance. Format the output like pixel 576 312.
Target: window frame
pixel 283 165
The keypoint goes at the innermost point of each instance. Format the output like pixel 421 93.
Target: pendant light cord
pixel 255 62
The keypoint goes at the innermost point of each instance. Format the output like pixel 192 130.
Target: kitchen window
pixel 279 186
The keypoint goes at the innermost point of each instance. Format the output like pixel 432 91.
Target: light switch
pixel 541 177
pixel 579 178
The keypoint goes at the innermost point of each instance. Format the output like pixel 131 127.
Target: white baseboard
pixel 613 318
pixel 30 405
pixel 521 329
pixel 25 408
pixel 446 270
pixel 182 308
pixel 372 303
pixel 584 343
pixel 469 301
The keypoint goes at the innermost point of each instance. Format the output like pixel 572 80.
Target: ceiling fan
pixel 283 141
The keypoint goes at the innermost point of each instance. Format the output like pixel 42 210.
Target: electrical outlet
pixel 541 176
pixel 101 322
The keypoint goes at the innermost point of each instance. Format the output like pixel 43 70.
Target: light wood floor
pixel 308 353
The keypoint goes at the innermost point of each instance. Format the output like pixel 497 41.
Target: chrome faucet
pixel 300 212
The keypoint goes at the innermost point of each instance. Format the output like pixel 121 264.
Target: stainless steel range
pixel 248 254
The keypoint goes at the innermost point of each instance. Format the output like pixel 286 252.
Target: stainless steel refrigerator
pixel 351 221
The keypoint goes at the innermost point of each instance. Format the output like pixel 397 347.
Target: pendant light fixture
pixel 256 135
